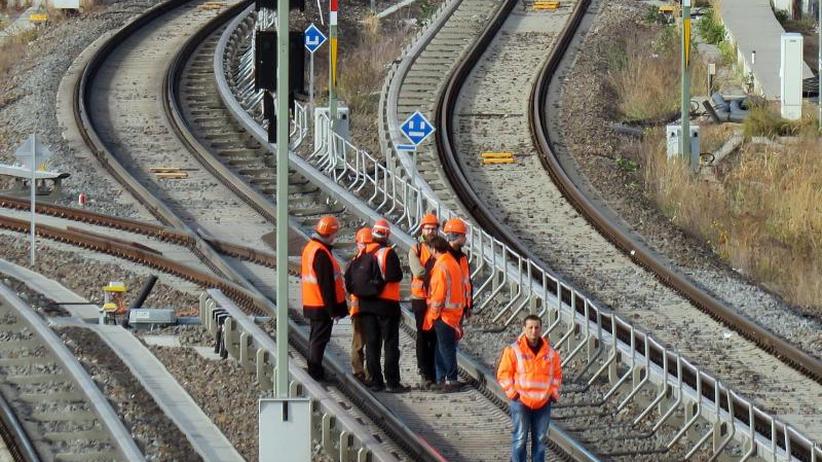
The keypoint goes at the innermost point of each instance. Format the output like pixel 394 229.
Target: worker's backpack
pixel 363 277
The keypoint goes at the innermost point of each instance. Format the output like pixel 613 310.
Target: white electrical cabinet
pixel 343 122
pixel 790 75
pixel 672 133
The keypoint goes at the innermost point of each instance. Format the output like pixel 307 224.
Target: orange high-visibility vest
pixel 446 295
pixel 535 377
pixel 391 291
pixel 466 279
pixel 312 297
pixel 418 283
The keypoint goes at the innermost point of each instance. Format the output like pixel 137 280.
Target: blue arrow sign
pixel 416 128
pixel 314 38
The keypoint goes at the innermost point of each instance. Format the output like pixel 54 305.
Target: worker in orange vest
pixel 420 260
pixel 363 239
pixel 446 302
pixel 530 373
pixel 455 232
pixel 381 315
pixel 323 291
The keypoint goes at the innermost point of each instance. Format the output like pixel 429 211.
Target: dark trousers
pixel 318 339
pixel 426 342
pixel 446 352
pixel 382 332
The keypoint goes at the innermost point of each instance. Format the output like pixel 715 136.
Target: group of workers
pixel 441 299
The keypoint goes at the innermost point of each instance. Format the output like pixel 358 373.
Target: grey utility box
pixel 151 317
pixel 672 133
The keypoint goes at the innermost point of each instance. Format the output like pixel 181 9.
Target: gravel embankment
pixel 157 436
pixel 30 92
pixel 226 392
pixel 86 274
pixel 585 115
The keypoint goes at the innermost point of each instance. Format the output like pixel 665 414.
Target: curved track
pixel 62 411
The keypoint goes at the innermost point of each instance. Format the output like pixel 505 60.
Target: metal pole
pixel 332 56
pixel 311 85
pixel 282 198
pixel 33 181
pixel 685 135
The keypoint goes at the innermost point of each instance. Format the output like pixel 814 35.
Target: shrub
pixel 711 30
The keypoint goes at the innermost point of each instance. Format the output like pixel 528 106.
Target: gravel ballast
pixel 30 93
pixel 157 436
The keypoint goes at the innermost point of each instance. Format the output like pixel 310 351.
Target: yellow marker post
pixel 38 17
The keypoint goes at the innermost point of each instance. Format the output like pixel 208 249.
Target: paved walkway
pixel 205 437
pixel 79 307
pixel 752 25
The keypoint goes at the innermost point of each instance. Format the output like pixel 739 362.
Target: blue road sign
pixel 416 128
pixel 406 147
pixel 314 38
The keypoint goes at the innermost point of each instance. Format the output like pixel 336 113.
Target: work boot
pixel 398 388
pixel 450 387
pixel 377 387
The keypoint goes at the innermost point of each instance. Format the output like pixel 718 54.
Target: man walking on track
pixel 530 373
pixel 323 291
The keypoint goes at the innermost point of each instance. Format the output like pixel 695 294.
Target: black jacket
pixel 393 273
pixel 325 278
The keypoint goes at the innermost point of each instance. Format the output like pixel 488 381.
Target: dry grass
pixel 764 216
pixel 644 73
pixel 14 49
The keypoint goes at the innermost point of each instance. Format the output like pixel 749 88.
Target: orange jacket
pixel 423 252
pixel 311 286
pixel 446 294
pixel 466 280
pixel 535 378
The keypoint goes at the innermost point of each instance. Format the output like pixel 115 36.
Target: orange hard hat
pixel 429 219
pixel 364 236
pixel 381 228
pixel 327 225
pixel 455 226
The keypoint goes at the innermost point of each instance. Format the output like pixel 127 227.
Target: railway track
pixel 118 137
pixel 492 117
pixel 60 413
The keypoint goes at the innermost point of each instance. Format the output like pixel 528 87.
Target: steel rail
pixel 15 436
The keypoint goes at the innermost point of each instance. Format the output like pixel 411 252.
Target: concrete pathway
pixel 79 307
pixel 752 25
pixel 176 403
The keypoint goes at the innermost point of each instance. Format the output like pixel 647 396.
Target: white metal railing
pixel 502 274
